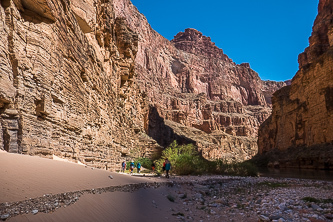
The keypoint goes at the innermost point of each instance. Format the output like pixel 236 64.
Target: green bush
pixel 128 165
pixel 184 159
pixel 235 168
pixel 171 198
pixel 145 162
pixel 314 200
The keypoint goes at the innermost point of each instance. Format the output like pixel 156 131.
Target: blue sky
pixel 268 34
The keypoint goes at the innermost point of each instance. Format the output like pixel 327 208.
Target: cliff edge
pixel 301 124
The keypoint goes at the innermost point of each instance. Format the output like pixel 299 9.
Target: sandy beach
pixel 29 177
pixel 38 189
pixel 24 177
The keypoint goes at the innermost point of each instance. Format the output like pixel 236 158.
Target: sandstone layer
pixel 301 123
pixel 196 93
pixel 67 82
pixel 91 81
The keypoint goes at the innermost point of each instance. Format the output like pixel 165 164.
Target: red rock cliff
pixel 302 117
pixel 76 79
pixel 196 92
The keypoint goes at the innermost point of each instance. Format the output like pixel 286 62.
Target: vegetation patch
pixel 186 160
pixel 315 200
pixel 171 198
pixel 145 162
pixel 273 185
pixel 235 168
pixel 178 214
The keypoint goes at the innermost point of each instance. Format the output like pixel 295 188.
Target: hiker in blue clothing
pixel 123 166
pixel 167 167
pixel 131 166
pixel 138 166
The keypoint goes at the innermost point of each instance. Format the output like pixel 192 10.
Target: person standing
pixel 163 168
pixel 167 167
pixel 131 167
pixel 153 166
pixel 138 166
pixel 123 166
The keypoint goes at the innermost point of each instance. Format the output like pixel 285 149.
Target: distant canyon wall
pixel 198 91
pixel 302 117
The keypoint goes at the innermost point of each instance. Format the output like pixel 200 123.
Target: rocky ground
pixel 212 198
pixel 256 199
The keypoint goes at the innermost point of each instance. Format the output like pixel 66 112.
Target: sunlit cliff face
pixel 302 112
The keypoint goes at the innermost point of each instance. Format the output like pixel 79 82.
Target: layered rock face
pixel 67 82
pixel 302 117
pixel 197 94
pixel 77 77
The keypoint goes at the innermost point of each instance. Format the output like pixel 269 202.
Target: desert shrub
pixel 246 169
pixel 128 165
pixel 171 198
pixel 315 200
pixel 272 185
pixel 178 214
pixel 145 162
pixel 233 168
pixel 186 164
pixel 184 159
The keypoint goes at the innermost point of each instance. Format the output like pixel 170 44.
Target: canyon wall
pixel 91 81
pixel 194 89
pixel 301 124
pixel 67 83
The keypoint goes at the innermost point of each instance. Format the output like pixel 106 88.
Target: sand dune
pixel 24 177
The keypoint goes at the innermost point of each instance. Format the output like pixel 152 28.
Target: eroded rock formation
pixel 302 117
pixel 198 91
pixel 88 80
pixel 67 82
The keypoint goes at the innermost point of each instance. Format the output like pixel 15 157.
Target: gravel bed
pixel 215 198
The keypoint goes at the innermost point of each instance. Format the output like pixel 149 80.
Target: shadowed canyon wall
pixel 301 123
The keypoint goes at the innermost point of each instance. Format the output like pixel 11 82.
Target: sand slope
pixel 24 177
pixel 142 205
